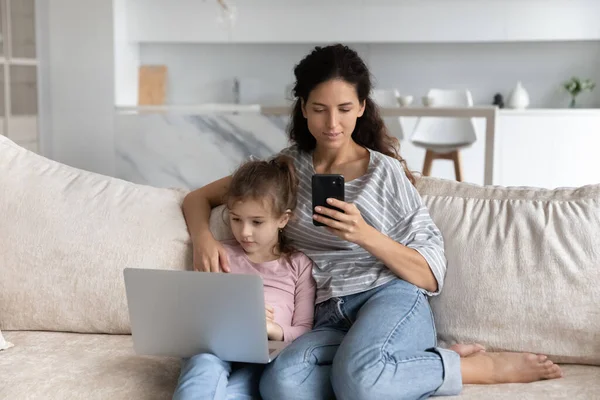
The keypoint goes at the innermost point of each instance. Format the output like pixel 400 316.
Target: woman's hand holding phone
pixel 331 211
pixel 326 186
pixel 348 225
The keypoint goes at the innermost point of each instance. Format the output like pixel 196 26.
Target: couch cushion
pixel 578 382
pixel 59 366
pixel 66 236
pixel 523 268
pixel 50 365
pixel 219 226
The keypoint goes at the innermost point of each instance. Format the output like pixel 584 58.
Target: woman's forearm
pixel 408 264
pixel 198 204
pixel 196 210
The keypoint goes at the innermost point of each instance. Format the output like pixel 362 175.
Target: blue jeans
pixel 205 376
pixel 379 344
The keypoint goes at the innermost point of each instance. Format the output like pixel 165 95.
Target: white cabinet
pixel 356 21
pixel 548 148
pixel 545 148
pixel 158 21
pixel 434 21
pixel 548 20
pixel 18 73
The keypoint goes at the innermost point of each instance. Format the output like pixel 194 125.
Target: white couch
pixel 523 275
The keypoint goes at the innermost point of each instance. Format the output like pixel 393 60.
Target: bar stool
pixel 444 137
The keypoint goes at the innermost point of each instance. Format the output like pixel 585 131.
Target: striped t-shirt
pixel 388 202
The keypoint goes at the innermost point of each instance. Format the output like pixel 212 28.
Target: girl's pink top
pixel 289 287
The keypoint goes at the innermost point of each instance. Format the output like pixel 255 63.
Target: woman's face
pixel 331 111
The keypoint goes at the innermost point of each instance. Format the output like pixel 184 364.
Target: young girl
pixel 260 199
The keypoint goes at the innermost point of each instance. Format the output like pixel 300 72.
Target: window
pixel 18 72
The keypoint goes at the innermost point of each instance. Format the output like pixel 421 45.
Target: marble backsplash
pixel 189 151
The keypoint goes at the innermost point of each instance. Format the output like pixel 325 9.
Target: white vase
pixel 518 98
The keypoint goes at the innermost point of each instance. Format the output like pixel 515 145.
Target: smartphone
pixel 325 186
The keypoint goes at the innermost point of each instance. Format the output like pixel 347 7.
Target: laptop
pixel 184 313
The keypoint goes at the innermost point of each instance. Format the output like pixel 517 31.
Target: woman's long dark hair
pixel 341 62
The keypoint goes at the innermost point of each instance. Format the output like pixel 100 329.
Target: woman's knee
pixel 278 379
pixel 360 374
pixel 348 377
pixel 354 381
pixel 302 370
pixel 272 384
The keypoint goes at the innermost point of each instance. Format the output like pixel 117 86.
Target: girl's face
pixel 255 226
pixel 331 110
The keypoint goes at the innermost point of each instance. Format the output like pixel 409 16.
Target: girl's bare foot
pixel 506 367
pixel 466 350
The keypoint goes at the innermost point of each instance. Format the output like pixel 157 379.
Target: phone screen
pixel 326 186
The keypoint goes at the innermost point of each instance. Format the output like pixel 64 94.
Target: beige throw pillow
pixel 523 268
pixel 219 225
pixel 66 236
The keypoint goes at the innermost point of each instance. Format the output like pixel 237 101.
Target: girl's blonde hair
pixel 274 180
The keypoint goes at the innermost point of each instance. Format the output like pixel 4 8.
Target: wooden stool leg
pixel 457 165
pixel 429 156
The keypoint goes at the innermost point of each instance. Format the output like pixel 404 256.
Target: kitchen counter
pixel 194 145
pixel 190 150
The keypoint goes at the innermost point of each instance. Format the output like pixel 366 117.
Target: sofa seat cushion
pixel 578 382
pixel 52 365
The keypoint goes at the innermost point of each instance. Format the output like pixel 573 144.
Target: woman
pixel 375 263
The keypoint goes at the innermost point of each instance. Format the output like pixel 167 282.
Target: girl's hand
pixel 274 330
pixel 350 224
pixel 270 312
pixel 210 255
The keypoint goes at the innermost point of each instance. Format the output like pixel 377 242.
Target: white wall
pixel 77 77
pixel 126 58
pixel 201 73
pixel 44 119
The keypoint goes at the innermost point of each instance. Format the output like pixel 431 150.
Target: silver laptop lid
pixel 183 313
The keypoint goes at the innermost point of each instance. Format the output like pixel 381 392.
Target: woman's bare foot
pixel 466 350
pixel 490 368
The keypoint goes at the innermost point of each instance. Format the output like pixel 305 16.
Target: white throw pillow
pixel 523 268
pixel 66 236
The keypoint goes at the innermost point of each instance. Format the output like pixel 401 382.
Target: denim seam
pixel 309 351
pixel 432 322
pixel 395 329
pixel 340 303
pixel 413 359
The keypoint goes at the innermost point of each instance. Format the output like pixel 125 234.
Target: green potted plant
pixel 575 86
